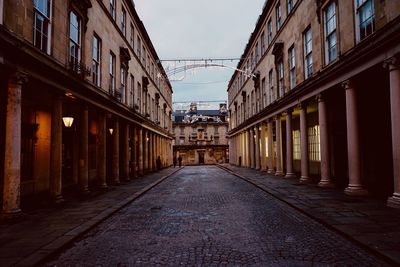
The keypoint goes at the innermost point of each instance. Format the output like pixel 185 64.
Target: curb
pixel 56 246
pixel 376 253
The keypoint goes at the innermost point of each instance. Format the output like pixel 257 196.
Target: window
pixel 365 17
pixel 112 9
pixel 264 92
pixel 292 68
pixel 252 63
pixel 296 145
pixel 74 39
pixel 314 143
pixel 262 40
pixel 278 16
pixel 132 40
pixel 41 28
pixel 112 72
pixel 289 6
pixel 279 70
pixel 269 28
pixel 123 21
pixel 1 12
pixel 271 86
pixel 257 53
pixel 144 56
pixel 96 60
pixel 139 97
pixel 132 91
pixel 308 62
pixel 139 48
pixel 122 89
pixel 330 33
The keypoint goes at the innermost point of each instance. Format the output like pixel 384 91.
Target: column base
pixel 270 171
pixel 326 184
pixel 103 186
pixel 10 215
pixel 290 175
pixel 279 173
pixel 84 191
pixel 58 199
pixel 305 180
pixel 356 190
pixel 394 201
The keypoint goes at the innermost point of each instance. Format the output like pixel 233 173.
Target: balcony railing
pixel 79 69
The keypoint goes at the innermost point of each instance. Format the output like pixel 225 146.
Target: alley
pixel 206 216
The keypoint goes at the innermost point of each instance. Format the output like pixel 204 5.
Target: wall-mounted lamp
pixel 111 130
pixel 147 139
pixel 68 121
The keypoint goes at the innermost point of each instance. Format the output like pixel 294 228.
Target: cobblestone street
pixel 205 216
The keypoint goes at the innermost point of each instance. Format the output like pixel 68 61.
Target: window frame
pixel 292 66
pixel 132 37
pixel 47 18
pixel 123 21
pixel 96 71
pixel 280 79
pixel 113 9
pixel 123 84
pixel 289 6
pixel 111 71
pixel 269 31
pixel 1 11
pixel 79 44
pixel 328 35
pixel 358 23
pixel 278 15
pixel 308 60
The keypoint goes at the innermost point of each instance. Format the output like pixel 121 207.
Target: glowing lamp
pixel 111 130
pixel 68 121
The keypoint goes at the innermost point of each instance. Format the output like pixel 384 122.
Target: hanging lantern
pixel 111 130
pixel 68 121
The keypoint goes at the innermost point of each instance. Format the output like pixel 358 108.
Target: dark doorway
pixel 201 157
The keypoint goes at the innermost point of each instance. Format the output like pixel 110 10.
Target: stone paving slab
pixel 366 221
pixel 42 232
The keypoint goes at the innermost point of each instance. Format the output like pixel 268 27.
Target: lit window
pixel 96 60
pixel 366 18
pixel 74 38
pixel 330 33
pixel 308 62
pixel 112 9
pixel 112 72
pixel 278 16
pixel 269 28
pixel 314 143
pixel 41 28
pixel 292 68
pixel 296 145
pixel 123 21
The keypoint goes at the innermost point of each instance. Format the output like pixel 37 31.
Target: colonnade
pixel 134 148
pixel 259 146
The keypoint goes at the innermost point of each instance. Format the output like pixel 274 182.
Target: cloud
pixel 200 29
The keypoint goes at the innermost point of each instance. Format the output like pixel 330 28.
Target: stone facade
pixel 90 60
pixel 316 95
pixel 200 136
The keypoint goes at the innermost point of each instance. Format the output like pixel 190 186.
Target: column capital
pixel 302 105
pixel 277 116
pixel 320 98
pixel 19 77
pixel 289 111
pixel 392 63
pixel 348 84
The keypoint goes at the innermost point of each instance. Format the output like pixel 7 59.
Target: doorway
pixel 201 157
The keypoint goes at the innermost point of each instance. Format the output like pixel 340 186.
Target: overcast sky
pixel 199 29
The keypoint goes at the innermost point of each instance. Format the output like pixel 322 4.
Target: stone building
pixel 317 95
pixel 84 100
pixel 200 135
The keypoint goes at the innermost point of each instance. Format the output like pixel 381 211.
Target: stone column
pixel 56 151
pixel 251 150
pixel 125 152
pixel 12 150
pixel 102 153
pixel 115 153
pixel 140 144
pixel 257 146
pixel 145 151
pixel 305 178
pixel 263 150
pixel 324 144
pixel 151 150
pixel 355 186
pixel 133 151
pixel 83 178
pixel 394 68
pixel 289 145
pixel 270 147
pixel 278 146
